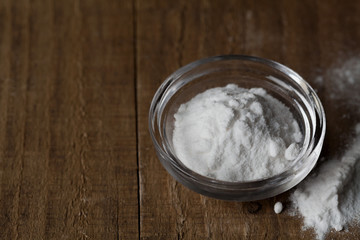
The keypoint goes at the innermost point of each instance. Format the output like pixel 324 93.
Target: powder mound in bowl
pixel 235 134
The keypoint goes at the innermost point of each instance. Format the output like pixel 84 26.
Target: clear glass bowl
pixel 247 72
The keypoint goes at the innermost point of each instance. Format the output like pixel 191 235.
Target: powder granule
pixel 235 134
pixel 278 207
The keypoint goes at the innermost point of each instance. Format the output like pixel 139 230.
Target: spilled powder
pixel 329 199
pixel 342 82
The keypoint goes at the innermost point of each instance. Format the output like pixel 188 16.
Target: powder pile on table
pixel 330 197
pixel 236 134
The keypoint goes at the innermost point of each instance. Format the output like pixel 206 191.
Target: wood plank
pixel 68 161
pixel 306 36
pixel 68 166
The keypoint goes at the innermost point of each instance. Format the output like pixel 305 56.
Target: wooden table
pixel 76 81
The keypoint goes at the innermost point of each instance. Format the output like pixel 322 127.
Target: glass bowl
pixel 247 72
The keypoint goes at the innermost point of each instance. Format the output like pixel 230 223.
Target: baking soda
pixel 236 134
pixel 329 199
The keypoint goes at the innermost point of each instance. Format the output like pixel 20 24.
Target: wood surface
pixel 76 81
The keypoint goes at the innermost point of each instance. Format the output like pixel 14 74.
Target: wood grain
pixel 68 139
pixel 76 82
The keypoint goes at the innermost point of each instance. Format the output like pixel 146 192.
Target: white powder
pixel 331 199
pixel 345 75
pixel 342 82
pixel 236 134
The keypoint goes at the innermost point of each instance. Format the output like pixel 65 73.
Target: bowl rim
pixel 221 184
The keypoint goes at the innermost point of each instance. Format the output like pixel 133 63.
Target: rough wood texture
pixel 68 129
pixel 76 82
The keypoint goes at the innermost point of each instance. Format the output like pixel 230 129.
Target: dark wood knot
pixel 253 207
